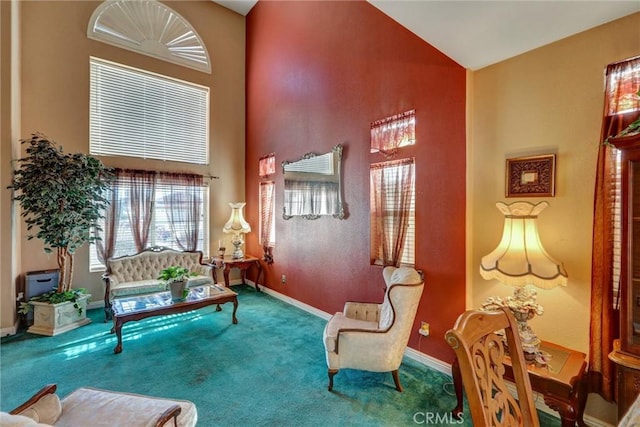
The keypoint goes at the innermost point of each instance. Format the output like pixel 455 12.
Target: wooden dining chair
pixel 481 353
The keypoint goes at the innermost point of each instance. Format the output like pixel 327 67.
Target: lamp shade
pixel 520 259
pixel 236 222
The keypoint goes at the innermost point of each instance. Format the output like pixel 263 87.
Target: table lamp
pixel 521 260
pixel 237 226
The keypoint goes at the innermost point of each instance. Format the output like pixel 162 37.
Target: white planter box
pixel 54 319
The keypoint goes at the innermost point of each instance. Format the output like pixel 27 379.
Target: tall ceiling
pixel 478 33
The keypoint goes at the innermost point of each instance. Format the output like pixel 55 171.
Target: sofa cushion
pixel 136 287
pixel 101 408
pixel 340 321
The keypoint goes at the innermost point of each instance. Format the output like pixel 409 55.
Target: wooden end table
pixel 243 264
pixel 563 382
pixel 140 307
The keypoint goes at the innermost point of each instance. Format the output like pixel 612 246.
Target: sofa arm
pixel 43 407
pixel 172 412
pixel 362 311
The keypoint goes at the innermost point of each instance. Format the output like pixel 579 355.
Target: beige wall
pixel 55 97
pixel 9 124
pixel 547 100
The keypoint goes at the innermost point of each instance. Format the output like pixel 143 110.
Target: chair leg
pixel 331 373
pixel 396 379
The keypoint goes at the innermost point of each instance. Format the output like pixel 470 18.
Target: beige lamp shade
pixel 236 222
pixel 520 259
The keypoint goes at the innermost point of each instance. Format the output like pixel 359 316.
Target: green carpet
pixel 268 370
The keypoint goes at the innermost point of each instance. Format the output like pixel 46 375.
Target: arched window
pixel 150 28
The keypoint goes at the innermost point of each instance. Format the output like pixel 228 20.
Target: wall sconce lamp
pixel 237 226
pixel 521 260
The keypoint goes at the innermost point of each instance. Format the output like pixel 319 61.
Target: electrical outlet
pixel 424 329
pixel 284 279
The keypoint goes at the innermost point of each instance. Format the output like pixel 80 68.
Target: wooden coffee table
pixel 140 307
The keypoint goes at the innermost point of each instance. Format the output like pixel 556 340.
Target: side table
pixel 562 382
pixel 227 262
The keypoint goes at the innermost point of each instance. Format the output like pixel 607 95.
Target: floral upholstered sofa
pixel 138 274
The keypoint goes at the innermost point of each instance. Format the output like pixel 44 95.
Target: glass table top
pixel 144 302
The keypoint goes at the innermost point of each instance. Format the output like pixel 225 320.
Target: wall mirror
pixel 313 186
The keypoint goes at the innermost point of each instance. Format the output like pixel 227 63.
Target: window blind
pixel 136 113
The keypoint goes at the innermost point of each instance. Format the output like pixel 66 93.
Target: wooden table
pixel 562 383
pixel 140 307
pixel 243 264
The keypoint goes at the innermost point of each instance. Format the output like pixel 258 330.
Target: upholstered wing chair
pixel 373 337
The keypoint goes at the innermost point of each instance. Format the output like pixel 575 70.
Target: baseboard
pixel 322 314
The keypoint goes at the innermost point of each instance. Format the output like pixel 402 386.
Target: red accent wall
pixel 318 73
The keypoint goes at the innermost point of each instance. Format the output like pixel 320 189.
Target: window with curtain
pixel 267 224
pixel 267 165
pixel 152 209
pixel 393 213
pixel 622 105
pixel 136 113
pixel 621 108
pixel 391 133
pixel 392 192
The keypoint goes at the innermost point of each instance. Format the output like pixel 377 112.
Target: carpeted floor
pixel 268 370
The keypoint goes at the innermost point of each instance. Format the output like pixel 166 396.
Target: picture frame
pixel 532 176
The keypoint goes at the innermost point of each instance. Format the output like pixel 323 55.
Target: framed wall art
pixel 532 176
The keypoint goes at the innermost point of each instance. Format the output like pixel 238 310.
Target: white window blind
pixel 136 113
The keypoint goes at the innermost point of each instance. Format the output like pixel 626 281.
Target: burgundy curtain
pixel 267 208
pixel 622 82
pixel 393 132
pixel 142 189
pixel 107 238
pixel 267 165
pixel 391 191
pixel 183 208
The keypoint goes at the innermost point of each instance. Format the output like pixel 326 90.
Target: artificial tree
pixel 62 196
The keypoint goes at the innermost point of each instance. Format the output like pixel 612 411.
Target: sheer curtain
pixel 388 134
pixel 267 208
pixel 108 236
pixel 183 208
pixel 142 189
pixel 621 108
pixel 391 191
pixel 311 197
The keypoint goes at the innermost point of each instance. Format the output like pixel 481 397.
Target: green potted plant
pixel 62 197
pixel 175 279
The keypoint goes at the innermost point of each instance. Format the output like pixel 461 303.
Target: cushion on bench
pixel 94 407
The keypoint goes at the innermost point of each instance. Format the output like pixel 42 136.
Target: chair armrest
pixel 362 311
pixel 48 389
pixel 172 412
